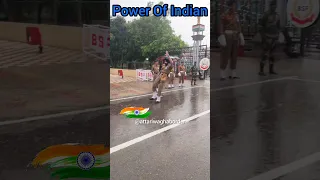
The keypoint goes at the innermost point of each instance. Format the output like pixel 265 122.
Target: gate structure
pixel 188 54
pixel 96 41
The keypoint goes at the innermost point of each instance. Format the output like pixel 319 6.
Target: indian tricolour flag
pixel 76 161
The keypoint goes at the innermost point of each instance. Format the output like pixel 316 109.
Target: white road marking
pixel 283 170
pixel 253 83
pixel 36 118
pixel 306 80
pixel 154 133
pixel 57 115
pixel 143 95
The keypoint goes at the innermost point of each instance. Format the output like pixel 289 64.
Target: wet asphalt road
pixel 256 126
pixel 179 153
pixel 169 155
pixel 261 127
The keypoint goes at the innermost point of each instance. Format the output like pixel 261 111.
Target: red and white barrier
pixel 144 75
pixel 96 41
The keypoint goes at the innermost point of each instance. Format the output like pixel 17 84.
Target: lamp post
pixel 146 64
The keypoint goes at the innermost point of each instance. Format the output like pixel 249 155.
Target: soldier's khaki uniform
pixel 230 28
pixel 182 71
pixel 171 79
pixel 155 71
pixel 160 81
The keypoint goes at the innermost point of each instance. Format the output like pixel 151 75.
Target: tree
pixel 144 37
pixel 119 38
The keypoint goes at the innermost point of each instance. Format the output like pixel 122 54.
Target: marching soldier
pixel 155 70
pixel 194 71
pixel 270 23
pixel 182 74
pixel 230 36
pixel 162 78
pixel 171 79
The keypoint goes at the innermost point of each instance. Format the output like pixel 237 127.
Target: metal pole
pixel 79 12
pixel 55 11
pixel 39 12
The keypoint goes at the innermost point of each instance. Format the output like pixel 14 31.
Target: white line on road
pixel 306 80
pixel 253 83
pixel 144 137
pixel 283 170
pixel 143 95
pixel 57 115
pixel 36 118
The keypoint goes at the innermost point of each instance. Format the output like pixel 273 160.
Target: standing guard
pixel 193 73
pixel 270 23
pixel 229 39
pixel 182 74
pixel 171 79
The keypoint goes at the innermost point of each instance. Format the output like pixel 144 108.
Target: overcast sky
pixel 181 25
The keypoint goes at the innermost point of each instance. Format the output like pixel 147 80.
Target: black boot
pixel 261 73
pixel 271 69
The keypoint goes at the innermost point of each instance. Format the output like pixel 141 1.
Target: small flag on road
pixel 136 112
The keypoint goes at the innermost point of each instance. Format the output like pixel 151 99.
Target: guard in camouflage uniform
pixel 162 78
pixel 194 71
pixel 270 23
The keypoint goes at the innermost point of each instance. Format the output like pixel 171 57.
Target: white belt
pixel 230 31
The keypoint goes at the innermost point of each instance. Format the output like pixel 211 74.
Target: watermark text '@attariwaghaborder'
pixel 160 122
